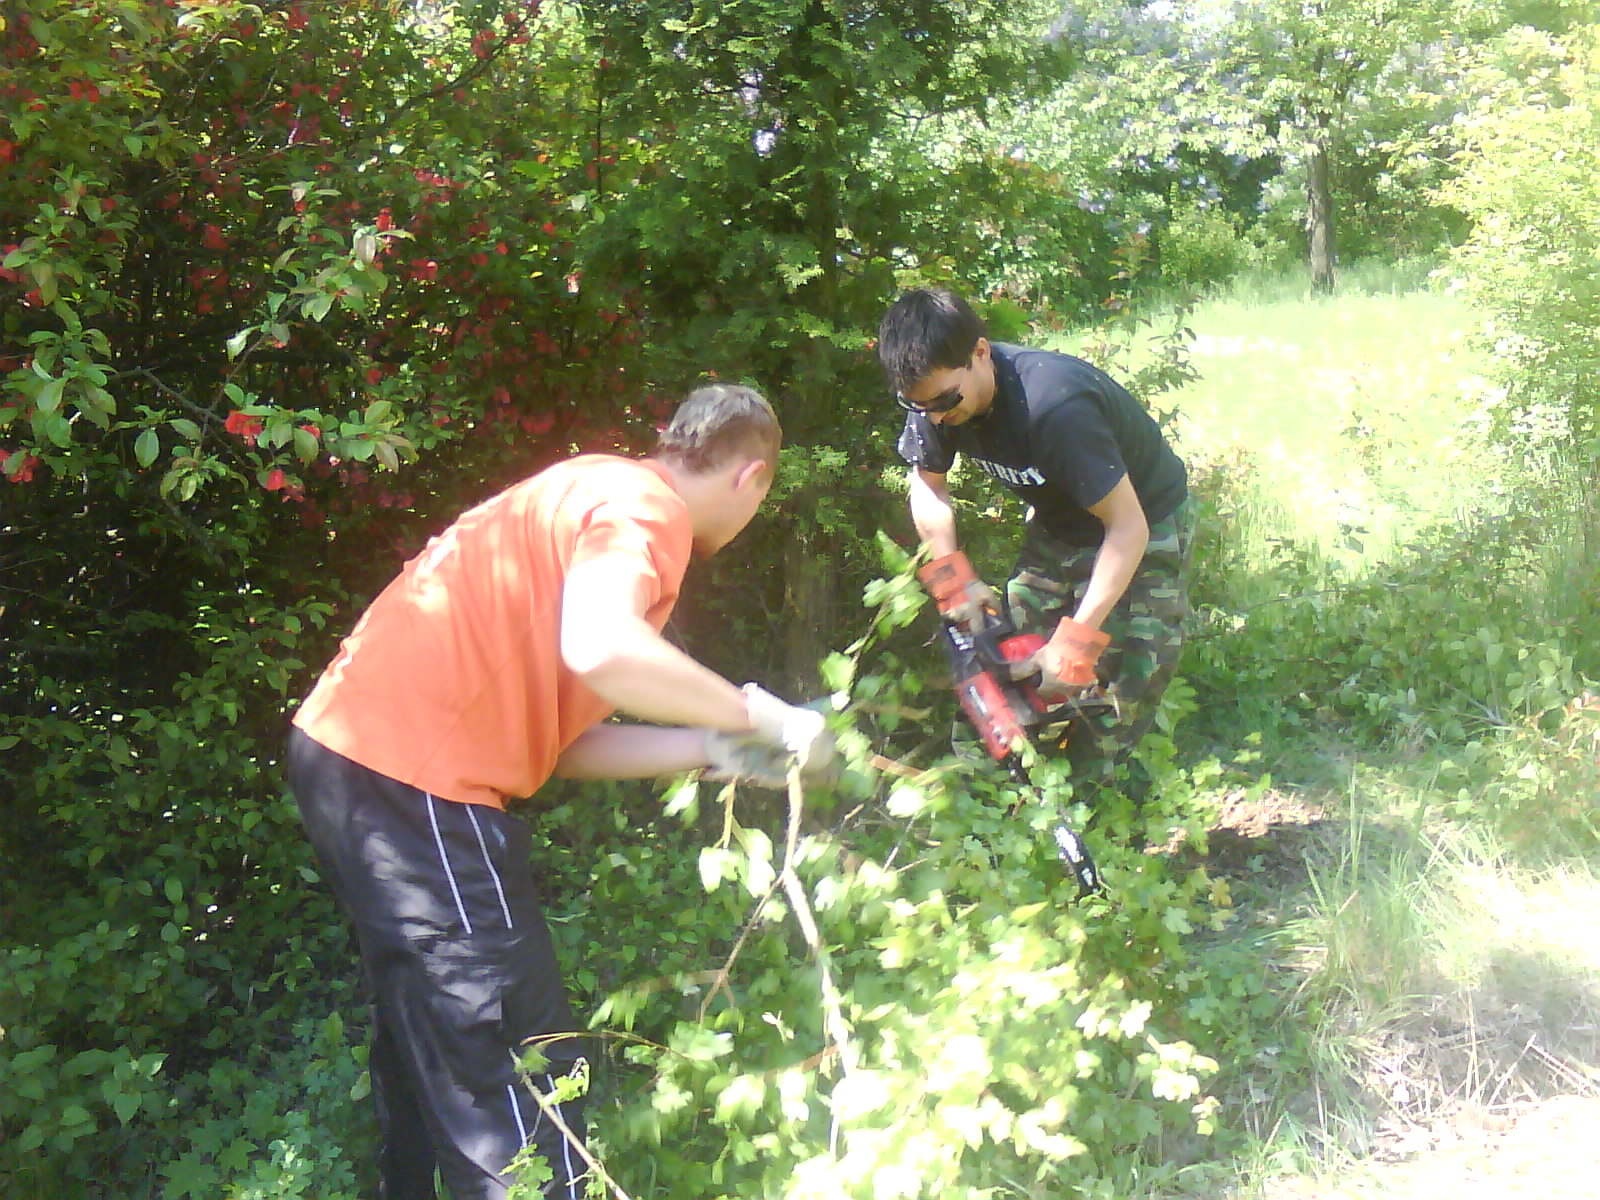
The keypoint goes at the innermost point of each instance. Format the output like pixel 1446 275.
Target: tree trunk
pixel 1319 210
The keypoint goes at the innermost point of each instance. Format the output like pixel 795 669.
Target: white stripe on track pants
pixel 459 969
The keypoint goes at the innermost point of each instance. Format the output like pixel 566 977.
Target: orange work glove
pixel 957 591
pixel 1066 662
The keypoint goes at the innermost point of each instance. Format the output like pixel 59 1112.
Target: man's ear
pixel 750 473
pixel 981 349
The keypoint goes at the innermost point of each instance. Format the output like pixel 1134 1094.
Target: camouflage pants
pixel 1146 629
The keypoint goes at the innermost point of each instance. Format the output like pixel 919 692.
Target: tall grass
pixel 1440 974
pixel 1440 932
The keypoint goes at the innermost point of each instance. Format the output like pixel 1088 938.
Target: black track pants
pixel 460 969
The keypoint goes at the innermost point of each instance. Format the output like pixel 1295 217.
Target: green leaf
pixel 125 1105
pixel 683 799
pixel 741 1098
pixel 305 445
pixel 185 428
pixel 44 277
pixel 189 1176
pixel 713 866
pixel 48 398
pixel 147 448
pixel 906 801
pixel 58 429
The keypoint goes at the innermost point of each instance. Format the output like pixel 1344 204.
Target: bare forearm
pixel 647 677
pixel 933 515
pixel 632 752
pixel 1114 568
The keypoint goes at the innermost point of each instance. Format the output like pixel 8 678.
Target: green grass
pixel 1433 939
pixel 1356 410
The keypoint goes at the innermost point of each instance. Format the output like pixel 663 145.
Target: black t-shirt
pixel 1060 434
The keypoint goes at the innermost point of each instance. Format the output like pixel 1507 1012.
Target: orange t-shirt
pixel 452 681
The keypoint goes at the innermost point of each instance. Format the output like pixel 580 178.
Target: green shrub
pixel 1530 181
pixel 822 1020
pixel 1200 245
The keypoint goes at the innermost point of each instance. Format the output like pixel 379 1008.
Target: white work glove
pixel 802 732
pixel 745 758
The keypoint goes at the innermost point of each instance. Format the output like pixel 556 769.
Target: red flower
pixel 538 423
pixel 24 473
pixel 213 239
pixel 276 480
pixel 243 425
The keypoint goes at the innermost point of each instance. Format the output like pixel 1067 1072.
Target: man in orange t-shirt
pixel 487 666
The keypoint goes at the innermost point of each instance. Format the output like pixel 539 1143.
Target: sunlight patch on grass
pixel 1356 408
pixel 1355 411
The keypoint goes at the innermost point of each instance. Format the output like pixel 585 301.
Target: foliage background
pixel 284 286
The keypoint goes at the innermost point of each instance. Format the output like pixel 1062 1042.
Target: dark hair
pixel 715 423
pixel 927 330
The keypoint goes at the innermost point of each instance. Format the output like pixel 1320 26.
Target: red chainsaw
pixel 1008 712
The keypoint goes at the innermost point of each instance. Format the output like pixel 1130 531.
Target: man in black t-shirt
pixel 1102 572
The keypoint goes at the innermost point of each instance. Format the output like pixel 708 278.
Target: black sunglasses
pixel 942 403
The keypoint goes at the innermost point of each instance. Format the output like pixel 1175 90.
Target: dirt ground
pixel 1549 1149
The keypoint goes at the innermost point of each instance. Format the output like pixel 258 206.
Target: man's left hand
pixel 745 758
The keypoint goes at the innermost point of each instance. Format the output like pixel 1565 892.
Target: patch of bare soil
pixel 1549 1150
pixel 1266 836
pixel 1434 1145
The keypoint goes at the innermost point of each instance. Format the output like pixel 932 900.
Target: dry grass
pixel 1457 1003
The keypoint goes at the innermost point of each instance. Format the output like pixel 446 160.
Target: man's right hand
pixel 956 589
pixel 1067 661
pixel 802 732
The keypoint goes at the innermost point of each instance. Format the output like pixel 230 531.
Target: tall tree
pixel 1270 82
pixel 781 188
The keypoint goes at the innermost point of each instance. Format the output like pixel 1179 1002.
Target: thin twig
pixel 553 1111
pixel 833 1007
pixel 723 973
